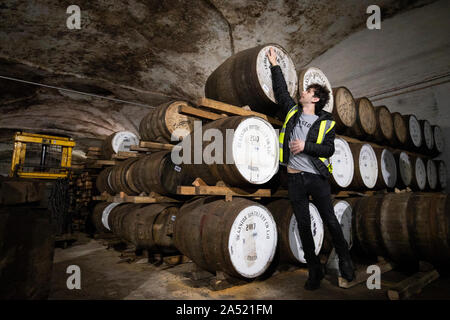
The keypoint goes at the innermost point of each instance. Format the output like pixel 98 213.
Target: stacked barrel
pixel 377 149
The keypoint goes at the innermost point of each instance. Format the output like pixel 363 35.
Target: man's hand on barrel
pixel 272 56
pixel 297 146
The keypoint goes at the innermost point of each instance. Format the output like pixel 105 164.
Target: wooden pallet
pixel 360 274
pixel 121 155
pixel 221 110
pixel 201 188
pixel 124 198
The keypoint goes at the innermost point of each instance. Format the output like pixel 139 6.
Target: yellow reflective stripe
pixel 291 112
pixel 321 132
pixel 331 127
pixel 281 154
pixel 281 140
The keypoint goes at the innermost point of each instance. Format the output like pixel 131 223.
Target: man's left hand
pixel 297 146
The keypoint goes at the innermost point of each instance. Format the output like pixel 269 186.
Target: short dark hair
pixel 322 93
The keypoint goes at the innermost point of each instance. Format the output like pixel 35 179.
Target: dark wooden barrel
pixel 405 227
pixel 344 110
pixel 238 237
pixel 97 215
pixel 343 164
pixel 442 174
pixel 102 182
pixel 438 138
pixel 289 242
pixel 414 133
pixel 400 130
pixel 419 173
pixel 405 169
pixel 365 125
pixel 249 156
pixel 147 226
pixel 166 119
pixel 118 141
pixel 428 139
pixel 385 125
pixel 387 169
pixel 118 178
pixel 432 175
pixel 366 167
pixel 245 79
pixel 156 173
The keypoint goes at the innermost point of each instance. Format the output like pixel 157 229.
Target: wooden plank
pixel 125 155
pixel 215 190
pixel 412 285
pixel 95 149
pixel 158 146
pixel 361 275
pixel 139 149
pixel 191 111
pixel 105 162
pixel 228 108
pixel 186 190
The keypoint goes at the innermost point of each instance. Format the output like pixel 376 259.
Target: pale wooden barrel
pixel 366 166
pixel 384 123
pixel 344 110
pixel 405 169
pixel 118 141
pixel 387 169
pixel 400 131
pixel 414 133
pixel 245 79
pixel 238 237
pixel 343 164
pixel 290 244
pixel 419 174
pixel 250 156
pixel 438 140
pixel 166 120
pixel 365 125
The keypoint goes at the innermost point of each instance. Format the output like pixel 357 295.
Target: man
pixel 306 144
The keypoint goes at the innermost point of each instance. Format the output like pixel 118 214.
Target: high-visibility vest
pixel 325 127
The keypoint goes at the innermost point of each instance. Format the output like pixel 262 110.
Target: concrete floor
pixel 103 277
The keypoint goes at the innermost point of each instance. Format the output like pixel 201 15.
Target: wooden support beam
pixel 412 285
pixel 228 108
pixel 196 112
pixel 158 146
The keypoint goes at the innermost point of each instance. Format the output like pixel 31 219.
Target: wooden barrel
pixel 103 181
pixel 414 133
pixel 387 169
pixel 311 76
pixel 406 227
pixel 432 175
pixel 365 125
pixel 405 169
pixel 238 237
pixel 343 210
pixel 118 141
pixel 344 110
pixel 438 140
pixel 343 164
pixel 155 173
pixel 385 125
pixel 245 79
pixel 428 139
pixel 100 216
pixel 442 174
pixel 118 178
pixel 366 166
pixel 431 230
pixel 419 174
pixel 166 119
pixel 290 244
pixel 400 131
pixel 249 156
pixel 147 226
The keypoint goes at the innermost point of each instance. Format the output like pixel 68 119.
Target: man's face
pixel 307 97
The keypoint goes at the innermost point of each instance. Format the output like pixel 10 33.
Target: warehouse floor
pixel 103 277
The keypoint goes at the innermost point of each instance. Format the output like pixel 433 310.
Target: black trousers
pixel 300 187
